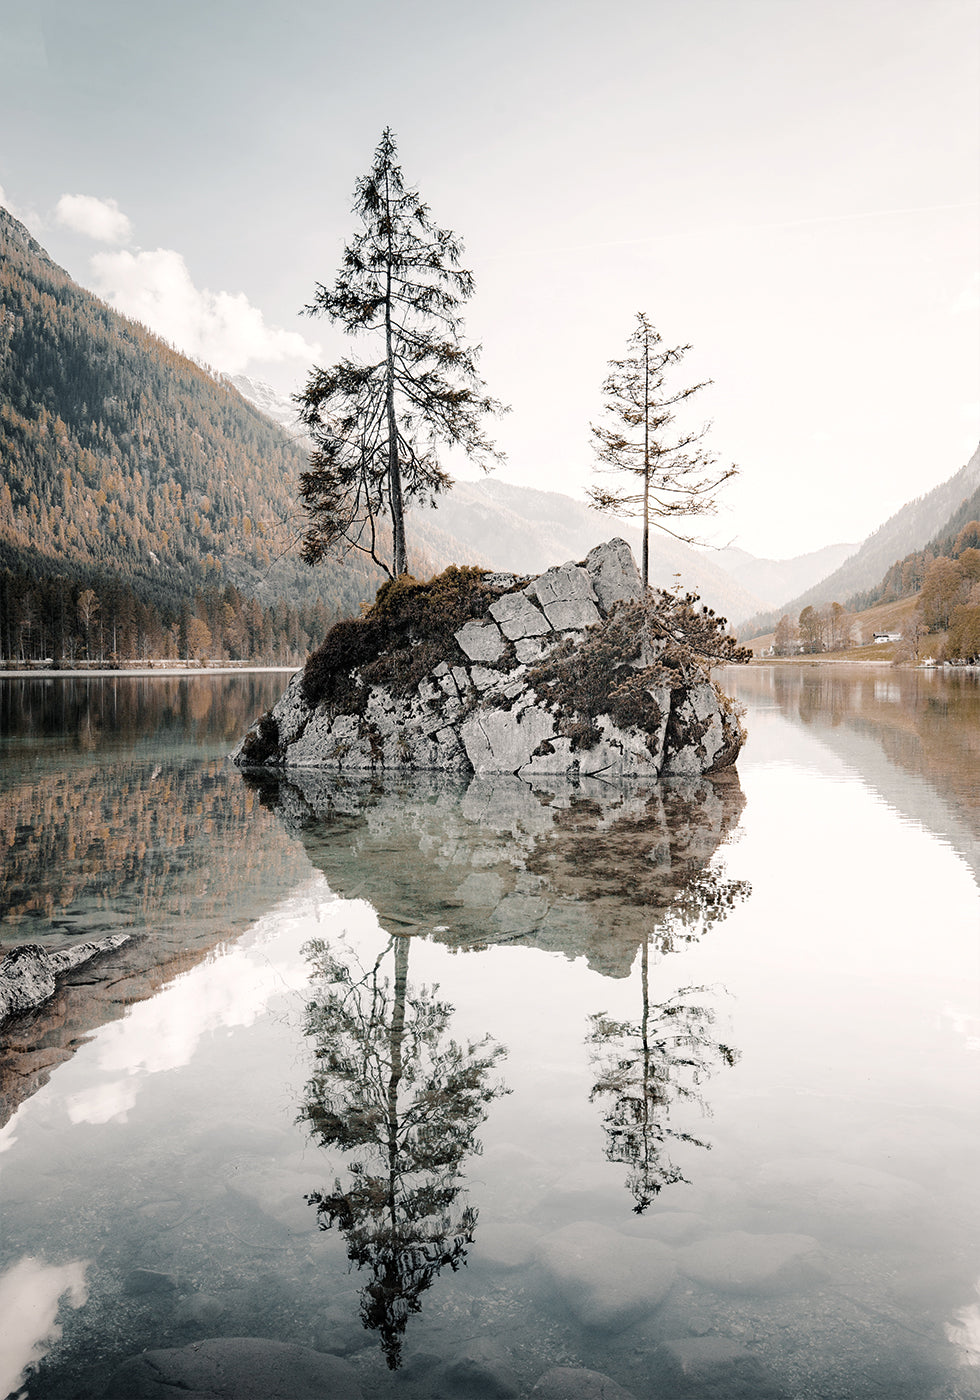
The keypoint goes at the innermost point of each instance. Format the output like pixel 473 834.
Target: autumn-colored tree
pixel 786 638
pixel 942 589
pixel 963 642
pixel 811 630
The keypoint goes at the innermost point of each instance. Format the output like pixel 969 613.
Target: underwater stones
pixel 506 1246
pixel 576 1383
pixel 607 1280
pixel 248 1368
pixel 739 1262
pixel 481 1370
pixel 719 1368
pixel 142 1283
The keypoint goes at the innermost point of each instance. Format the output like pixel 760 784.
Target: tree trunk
pixel 646 462
pixel 400 556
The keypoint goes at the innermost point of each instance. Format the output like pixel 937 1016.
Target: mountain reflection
pixel 394 1092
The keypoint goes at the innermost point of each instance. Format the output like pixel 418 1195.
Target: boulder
pixel 248 1368
pixel 544 678
pixel 576 1383
pixel 608 1280
pixel 28 973
pixel 739 1262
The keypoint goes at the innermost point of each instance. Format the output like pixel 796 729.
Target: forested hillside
pixel 908 531
pixel 132 474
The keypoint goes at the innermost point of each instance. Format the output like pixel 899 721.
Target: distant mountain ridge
pixel 775 579
pixel 522 529
pixel 910 528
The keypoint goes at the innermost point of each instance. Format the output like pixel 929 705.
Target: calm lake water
pixel 463 1081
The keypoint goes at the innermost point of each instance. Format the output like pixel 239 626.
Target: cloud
pixel 101 219
pixel 29 216
pixel 221 329
pixel 969 298
pixel 29 1297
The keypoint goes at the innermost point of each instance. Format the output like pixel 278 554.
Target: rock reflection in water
pixel 403 1100
pixel 589 869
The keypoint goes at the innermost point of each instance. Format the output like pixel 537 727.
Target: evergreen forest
pixel 146 508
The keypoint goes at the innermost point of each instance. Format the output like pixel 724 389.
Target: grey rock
pixel 719 1368
pixel 486 718
pixel 702 737
pixel 567 615
pixel 615 577
pixel 479 1372
pixel 234 1368
pixel 567 596
pixel 481 641
pixel 739 1262
pixel 142 1282
pixel 517 617
pixel 28 973
pixel 497 741
pixel 576 1383
pixel 245 1368
pixel 607 1279
pixel 530 649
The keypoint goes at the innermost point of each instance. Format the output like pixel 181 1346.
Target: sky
pixel 791 187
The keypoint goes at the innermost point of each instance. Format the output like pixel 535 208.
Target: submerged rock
pixel 608 1280
pixel 247 1368
pixel 576 1383
pixel 578 671
pixel 28 973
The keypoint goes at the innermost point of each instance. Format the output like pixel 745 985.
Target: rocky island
pixel 578 671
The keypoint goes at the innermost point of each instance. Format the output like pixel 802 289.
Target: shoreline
pixel 174 669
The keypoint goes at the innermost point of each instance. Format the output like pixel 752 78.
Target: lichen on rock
pixel 577 671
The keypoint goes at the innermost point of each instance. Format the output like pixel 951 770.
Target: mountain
pixel 269 401
pixel 135 473
pixel 130 471
pixel 909 529
pixel 775 579
pixel 520 529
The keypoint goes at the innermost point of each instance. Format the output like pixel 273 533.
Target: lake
pixel 465 1081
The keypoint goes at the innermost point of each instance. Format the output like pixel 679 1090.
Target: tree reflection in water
pixel 646 1066
pixel 404 1100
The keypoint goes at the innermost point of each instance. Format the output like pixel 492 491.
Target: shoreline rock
pixel 28 973
pixel 568 673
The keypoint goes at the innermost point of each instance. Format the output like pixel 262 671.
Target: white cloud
pixel 101 219
pixel 29 1298
pixel 969 298
pixel 29 216
pixel 219 328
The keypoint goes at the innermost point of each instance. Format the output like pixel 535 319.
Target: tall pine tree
pixel 376 422
pixel 671 474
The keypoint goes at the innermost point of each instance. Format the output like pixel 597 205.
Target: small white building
pixel 880 637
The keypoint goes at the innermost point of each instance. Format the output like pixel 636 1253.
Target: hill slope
pixel 123 457
pixel 909 529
